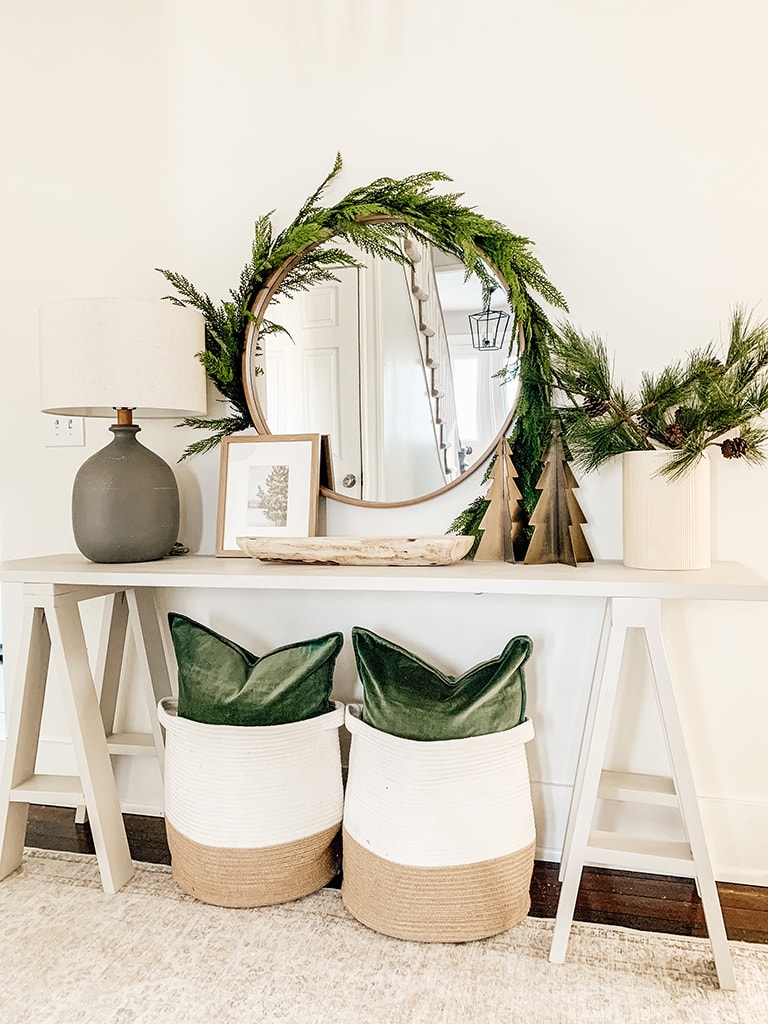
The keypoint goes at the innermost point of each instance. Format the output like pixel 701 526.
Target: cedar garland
pixel 373 218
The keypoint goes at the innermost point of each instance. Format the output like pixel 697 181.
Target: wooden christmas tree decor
pixel 501 527
pixel 557 518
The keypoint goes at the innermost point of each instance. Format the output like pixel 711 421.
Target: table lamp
pixel 99 356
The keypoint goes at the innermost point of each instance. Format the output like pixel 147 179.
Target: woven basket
pixel 252 812
pixel 438 837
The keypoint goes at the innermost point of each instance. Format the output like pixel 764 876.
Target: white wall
pixel 628 140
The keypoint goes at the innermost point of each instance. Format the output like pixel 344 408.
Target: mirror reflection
pixel 383 362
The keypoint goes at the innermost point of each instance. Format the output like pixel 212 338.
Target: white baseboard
pixel 138 778
pixel 737 830
pixel 147 810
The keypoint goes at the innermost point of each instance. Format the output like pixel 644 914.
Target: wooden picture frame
pixel 269 486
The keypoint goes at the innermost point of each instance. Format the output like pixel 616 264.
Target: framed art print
pixel 268 487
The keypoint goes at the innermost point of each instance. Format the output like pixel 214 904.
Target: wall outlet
pixel 61 431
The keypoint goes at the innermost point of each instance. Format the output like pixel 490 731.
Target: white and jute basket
pixel 438 837
pixel 252 812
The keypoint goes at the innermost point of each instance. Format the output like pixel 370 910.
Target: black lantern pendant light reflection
pixel 489 328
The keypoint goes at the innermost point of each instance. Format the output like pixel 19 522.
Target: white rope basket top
pixel 252 786
pixel 438 803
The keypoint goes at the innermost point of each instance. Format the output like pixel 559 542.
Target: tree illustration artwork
pixel 557 518
pixel 272 496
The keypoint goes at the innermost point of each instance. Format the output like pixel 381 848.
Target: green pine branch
pixel 687 408
pixel 467 523
pixel 222 428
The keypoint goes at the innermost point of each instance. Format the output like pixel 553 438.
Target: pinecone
pixel 674 435
pixel 594 406
pixel 734 448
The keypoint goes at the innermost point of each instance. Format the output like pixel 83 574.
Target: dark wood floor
pixel 648 902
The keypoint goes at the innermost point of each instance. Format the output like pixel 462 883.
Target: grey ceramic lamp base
pixel 125 502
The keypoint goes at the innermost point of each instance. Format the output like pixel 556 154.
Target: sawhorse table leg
pixel 584 846
pixel 137 609
pixel 53 628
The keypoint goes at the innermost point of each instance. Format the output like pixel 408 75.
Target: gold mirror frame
pixel 264 297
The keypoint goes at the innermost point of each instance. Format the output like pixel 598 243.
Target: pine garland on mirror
pixel 373 218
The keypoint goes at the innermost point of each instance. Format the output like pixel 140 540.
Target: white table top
pixel 724 581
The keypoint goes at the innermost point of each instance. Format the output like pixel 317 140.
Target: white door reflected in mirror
pixel 382 362
pixel 310 382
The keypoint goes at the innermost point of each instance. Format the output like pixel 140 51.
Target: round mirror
pixel 408 369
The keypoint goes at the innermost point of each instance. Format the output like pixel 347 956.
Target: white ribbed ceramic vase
pixel 438 837
pixel 252 812
pixel 666 523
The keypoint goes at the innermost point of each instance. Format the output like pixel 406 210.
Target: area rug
pixel 69 954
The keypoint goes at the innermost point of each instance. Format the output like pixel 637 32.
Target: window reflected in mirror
pixel 382 362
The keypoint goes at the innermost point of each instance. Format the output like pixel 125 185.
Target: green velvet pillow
pixel 407 697
pixel 221 683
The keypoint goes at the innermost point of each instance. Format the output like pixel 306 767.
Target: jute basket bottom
pixel 437 904
pixel 229 877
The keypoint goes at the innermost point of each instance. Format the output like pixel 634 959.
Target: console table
pixel 54 586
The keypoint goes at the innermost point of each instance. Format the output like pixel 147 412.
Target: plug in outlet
pixel 64 431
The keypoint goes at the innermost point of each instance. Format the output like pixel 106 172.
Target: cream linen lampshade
pixel 101 355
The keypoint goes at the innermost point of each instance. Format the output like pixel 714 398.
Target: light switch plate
pixel 64 431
